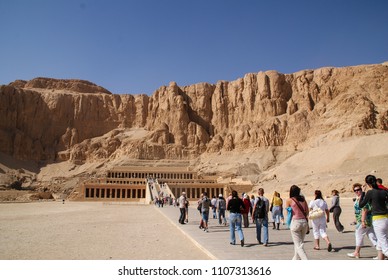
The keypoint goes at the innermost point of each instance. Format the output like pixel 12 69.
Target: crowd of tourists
pixel 370 210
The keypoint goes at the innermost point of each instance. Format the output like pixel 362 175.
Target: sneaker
pixel 376 258
pixel 353 255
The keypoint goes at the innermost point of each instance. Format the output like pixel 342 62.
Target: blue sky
pixel 136 46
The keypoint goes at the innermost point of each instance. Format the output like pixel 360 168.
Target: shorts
pixel 205 216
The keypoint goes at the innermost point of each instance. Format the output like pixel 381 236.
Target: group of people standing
pixel 370 205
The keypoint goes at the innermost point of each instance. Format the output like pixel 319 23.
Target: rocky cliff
pixel 56 120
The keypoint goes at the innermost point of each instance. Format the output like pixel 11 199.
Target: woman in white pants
pixel 363 223
pixel 299 225
pixel 320 224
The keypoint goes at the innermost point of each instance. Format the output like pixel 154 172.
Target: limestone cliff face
pixel 48 119
pixel 37 123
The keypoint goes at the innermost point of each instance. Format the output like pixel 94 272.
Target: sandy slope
pixel 325 165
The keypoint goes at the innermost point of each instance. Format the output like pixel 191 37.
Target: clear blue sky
pixel 136 46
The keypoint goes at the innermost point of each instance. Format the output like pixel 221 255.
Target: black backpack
pixel 260 209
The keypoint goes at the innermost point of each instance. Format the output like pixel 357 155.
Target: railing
pixel 154 192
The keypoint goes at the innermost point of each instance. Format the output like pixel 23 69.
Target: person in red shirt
pixel 379 182
pixel 247 205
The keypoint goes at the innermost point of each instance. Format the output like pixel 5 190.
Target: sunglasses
pixel 357 190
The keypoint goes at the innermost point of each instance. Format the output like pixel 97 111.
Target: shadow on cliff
pixel 12 163
pixel 193 115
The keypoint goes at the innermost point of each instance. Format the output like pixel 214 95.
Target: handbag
pixel 316 213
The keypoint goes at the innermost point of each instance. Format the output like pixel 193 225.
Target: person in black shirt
pixel 235 205
pixel 378 198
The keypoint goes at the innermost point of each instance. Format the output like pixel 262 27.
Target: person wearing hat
pixel 221 207
pixel 182 200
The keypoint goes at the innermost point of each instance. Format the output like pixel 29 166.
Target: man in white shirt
pixel 182 208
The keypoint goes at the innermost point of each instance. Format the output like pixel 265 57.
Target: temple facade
pixel 144 184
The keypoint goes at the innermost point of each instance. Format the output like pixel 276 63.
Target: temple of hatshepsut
pixel 144 184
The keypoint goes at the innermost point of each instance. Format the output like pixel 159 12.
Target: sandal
pixel 317 248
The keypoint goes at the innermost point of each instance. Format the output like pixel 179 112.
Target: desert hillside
pixel 323 128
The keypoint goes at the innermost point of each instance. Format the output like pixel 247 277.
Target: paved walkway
pixel 215 243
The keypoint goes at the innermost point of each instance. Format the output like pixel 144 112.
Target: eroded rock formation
pixel 48 119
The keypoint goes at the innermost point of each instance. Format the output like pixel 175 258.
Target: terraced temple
pixel 144 184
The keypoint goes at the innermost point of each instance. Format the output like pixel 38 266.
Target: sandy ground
pixel 90 231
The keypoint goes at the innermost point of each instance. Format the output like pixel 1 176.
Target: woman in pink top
pixel 299 225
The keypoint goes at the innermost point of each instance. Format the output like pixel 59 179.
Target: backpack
pixel 199 206
pixel 206 204
pixel 222 204
pixel 260 209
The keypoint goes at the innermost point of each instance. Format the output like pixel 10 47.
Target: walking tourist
pixel 187 211
pixel 252 205
pixel 235 205
pixel 320 222
pixel 281 211
pixel 205 209
pixel 299 225
pixel 363 223
pixel 182 208
pixel 260 216
pixel 221 208
pixel 276 209
pixel 199 208
pixel 378 199
pixel 245 212
pixel 214 207
pixel 336 210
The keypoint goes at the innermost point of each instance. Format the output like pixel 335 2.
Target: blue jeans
pixel 235 224
pixel 262 223
pixel 182 215
pixel 221 216
pixel 276 214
